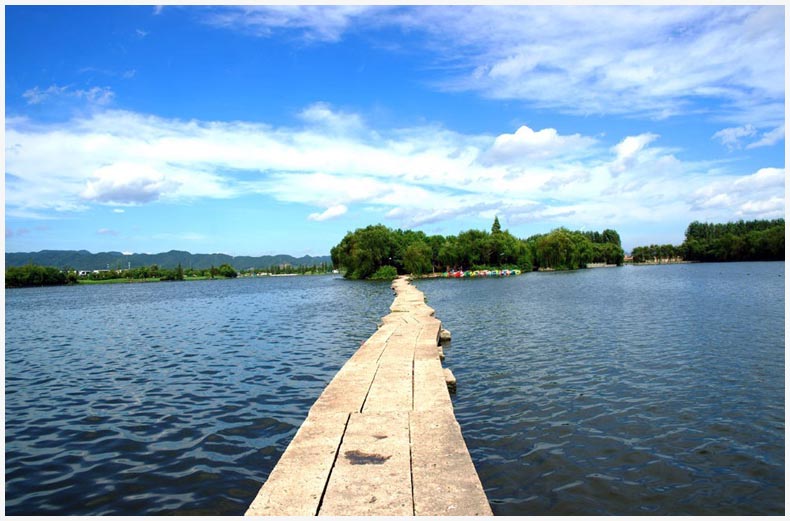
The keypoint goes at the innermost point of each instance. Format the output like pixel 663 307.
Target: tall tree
pixel 496 228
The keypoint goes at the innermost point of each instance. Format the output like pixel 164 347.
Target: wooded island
pixel 378 252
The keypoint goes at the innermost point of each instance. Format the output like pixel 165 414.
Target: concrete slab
pixel 430 389
pixel 445 480
pixel 372 475
pixel 297 483
pixel 392 387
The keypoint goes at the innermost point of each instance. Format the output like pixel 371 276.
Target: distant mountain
pixel 85 260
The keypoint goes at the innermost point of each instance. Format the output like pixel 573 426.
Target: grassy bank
pixel 124 280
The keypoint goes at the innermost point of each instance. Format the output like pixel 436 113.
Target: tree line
pixel 757 240
pixel 33 275
pixel 301 269
pixel 377 251
pixel 154 271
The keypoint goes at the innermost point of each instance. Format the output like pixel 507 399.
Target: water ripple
pixel 630 391
pixel 168 399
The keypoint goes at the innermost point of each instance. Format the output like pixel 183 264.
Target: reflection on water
pixel 638 390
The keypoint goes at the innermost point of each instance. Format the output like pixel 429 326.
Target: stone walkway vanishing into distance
pixel 382 439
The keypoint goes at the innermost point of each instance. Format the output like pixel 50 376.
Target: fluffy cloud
pixel 759 195
pixel 321 115
pixel 413 176
pixel 528 145
pixel 126 183
pixel 628 151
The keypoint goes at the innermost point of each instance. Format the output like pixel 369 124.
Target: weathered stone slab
pixel 348 389
pixel 427 346
pixel 449 378
pixel 385 417
pixel 430 389
pixel 296 484
pixel 392 387
pixel 445 479
pixel 430 331
pixel 372 474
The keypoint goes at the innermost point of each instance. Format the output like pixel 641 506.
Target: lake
pixel 633 390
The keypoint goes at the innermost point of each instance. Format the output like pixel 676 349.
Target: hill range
pixel 85 260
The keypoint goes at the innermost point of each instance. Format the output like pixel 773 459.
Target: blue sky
pixel 261 130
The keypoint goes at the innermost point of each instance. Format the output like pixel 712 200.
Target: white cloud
pixel 628 151
pixel 412 176
pixel 315 22
pixel 731 137
pixel 94 95
pixel 528 145
pixel 126 183
pixel 324 116
pixel 755 196
pixel 330 213
pixel 36 95
pixel 722 62
pixel 654 61
pixel 769 138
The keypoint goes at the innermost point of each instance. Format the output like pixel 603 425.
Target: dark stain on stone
pixel 380 436
pixel 357 457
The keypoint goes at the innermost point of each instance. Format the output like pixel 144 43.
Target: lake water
pixel 635 390
pixel 168 398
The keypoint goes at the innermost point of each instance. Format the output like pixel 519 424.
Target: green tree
pixel 34 275
pixel 226 270
pixel 417 258
pixel 496 228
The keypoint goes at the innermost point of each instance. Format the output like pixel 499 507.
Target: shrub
pixel 385 273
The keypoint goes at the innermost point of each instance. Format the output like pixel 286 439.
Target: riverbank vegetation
pixel 32 275
pixel 758 240
pixel 364 252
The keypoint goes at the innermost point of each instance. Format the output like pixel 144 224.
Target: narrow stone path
pixel 382 439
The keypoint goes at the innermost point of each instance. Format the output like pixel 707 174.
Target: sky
pixel 254 130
